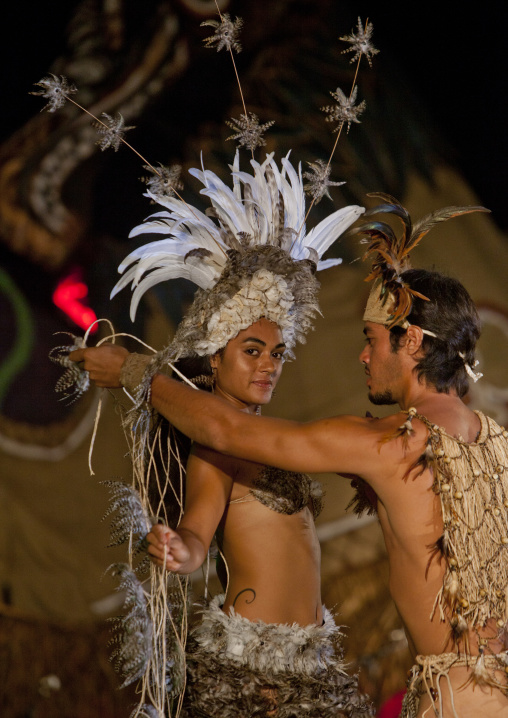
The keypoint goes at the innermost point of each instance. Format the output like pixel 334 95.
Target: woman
pixel 219 496
pixel 267 647
pixel 260 649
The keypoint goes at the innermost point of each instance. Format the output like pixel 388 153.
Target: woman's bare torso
pixel 273 558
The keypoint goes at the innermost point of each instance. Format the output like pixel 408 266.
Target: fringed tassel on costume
pixel 364 498
pixel 404 431
pixel 158 482
pixel 428 672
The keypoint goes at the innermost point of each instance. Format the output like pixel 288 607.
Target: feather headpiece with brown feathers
pixel 391 298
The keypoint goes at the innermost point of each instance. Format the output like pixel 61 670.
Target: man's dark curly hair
pixel 451 314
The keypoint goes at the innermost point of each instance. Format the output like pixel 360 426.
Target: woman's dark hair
pixel 162 460
pixel 452 316
pixel 194 367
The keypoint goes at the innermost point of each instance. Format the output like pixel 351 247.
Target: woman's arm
pixel 208 486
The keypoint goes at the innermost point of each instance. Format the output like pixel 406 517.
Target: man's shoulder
pixel 398 424
pixel 222 462
pixel 451 416
pixel 375 429
pixel 391 447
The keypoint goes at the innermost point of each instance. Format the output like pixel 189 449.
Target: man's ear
pixel 213 360
pixel 414 339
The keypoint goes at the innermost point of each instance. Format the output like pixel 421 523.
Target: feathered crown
pixel 250 255
pixel 391 297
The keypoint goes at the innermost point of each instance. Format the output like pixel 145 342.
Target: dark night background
pixel 435 92
pixel 453 59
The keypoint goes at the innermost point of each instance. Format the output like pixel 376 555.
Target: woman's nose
pixel 267 364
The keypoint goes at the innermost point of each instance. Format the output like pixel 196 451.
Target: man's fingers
pixel 78 356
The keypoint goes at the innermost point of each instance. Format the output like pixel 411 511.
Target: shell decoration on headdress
pixel 249 254
pixel 391 298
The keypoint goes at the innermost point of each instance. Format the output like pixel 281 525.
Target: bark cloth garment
pixel 242 668
pixel 471 480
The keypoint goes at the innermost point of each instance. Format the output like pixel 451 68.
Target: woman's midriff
pixel 274 565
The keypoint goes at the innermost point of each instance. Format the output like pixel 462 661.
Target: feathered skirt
pixel 238 668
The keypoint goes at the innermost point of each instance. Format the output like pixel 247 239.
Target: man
pixel 436 472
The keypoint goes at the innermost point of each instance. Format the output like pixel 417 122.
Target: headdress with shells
pixel 249 254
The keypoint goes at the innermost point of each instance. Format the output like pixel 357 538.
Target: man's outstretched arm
pixel 327 445
pixel 343 444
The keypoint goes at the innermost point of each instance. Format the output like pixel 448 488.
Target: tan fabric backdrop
pixel 52 537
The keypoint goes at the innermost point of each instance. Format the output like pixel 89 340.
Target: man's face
pixel 382 365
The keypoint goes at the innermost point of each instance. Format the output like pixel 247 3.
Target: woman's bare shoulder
pixel 236 468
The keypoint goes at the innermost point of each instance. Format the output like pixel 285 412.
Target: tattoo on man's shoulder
pixel 251 590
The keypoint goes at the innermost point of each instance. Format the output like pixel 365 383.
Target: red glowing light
pixel 68 297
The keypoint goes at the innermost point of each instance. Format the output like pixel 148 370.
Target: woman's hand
pixel 167 548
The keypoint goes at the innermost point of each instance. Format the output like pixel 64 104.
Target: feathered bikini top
pixel 285 492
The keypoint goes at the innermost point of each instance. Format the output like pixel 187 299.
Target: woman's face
pixel 250 365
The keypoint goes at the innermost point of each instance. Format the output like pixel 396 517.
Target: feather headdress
pixel 249 254
pixel 391 298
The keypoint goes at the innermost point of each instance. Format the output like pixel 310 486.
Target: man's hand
pixel 102 363
pixel 166 548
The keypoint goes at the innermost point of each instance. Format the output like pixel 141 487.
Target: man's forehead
pixel 373 328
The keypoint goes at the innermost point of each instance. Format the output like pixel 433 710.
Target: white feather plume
pixel 265 207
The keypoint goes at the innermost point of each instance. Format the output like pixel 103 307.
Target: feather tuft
pixel 130 517
pixel 389 250
pixel 132 638
pixel 75 381
pixel 256 226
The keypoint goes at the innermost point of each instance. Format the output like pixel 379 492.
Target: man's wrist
pixel 133 371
